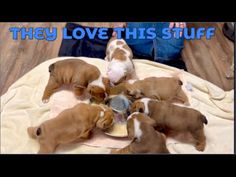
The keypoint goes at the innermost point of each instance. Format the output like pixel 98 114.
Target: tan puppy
pixel 71 125
pixel 120 66
pixel 161 88
pixel 144 137
pixel 172 119
pixel 82 76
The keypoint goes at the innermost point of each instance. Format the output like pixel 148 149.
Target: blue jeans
pixel 160 49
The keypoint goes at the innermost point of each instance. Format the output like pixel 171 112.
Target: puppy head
pixel 141 105
pixel 142 119
pixel 106 119
pixel 99 89
pixel 131 90
pixel 34 132
pixel 137 106
pixel 110 42
pixel 110 48
pixel 97 93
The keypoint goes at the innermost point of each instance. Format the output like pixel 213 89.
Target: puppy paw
pixel 114 151
pixel 45 101
pixel 200 147
pixel 187 104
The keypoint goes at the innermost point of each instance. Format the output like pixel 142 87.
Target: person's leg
pixel 86 47
pixel 68 45
pixel 166 50
pixel 142 48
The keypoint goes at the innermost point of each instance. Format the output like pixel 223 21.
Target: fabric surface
pixel 21 107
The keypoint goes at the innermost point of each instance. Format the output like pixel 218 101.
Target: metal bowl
pixel 120 105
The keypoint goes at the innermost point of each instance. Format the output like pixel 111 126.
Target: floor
pixel 208 59
pixel 211 59
pixel 17 57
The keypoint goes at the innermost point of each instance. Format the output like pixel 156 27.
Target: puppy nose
pixel 128 112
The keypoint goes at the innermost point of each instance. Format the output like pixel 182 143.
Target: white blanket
pixel 21 107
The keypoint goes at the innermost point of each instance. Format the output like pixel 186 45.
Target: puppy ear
pixel 107 84
pixel 34 132
pixel 100 123
pixel 79 86
pixel 146 119
pixel 134 107
pixel 106 120
pixel 138 94
pixel 130 128
pixel 130 91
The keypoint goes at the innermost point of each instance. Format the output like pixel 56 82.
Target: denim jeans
pixel 163 51
pixel 159 49
pixel 86 47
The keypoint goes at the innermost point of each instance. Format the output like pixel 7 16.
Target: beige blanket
pixel 21 107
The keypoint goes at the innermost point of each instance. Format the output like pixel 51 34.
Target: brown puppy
pixel 71 125
pixel 161 88
pixel 144 137
pixel 171 119
pixel 81 75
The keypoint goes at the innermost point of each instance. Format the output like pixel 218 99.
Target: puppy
pixel 83 77
pixel 172 119
pixel 160 88
pixel 71 125
pixel 120 66
pixel 144 137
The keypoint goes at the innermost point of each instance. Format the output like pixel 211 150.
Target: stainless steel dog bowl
pixel 120 105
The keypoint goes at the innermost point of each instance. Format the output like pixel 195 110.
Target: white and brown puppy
pixel 71 125
pixel 172 119
pixel 161 88
pixel 81 75
pixel 119 55
pixel 145 139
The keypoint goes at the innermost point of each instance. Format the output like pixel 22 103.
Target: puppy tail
pixel 204 120
pixel 34 132
pixel 177 75
pixel 180 82
pixel 51 67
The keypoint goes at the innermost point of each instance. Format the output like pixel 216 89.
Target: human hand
pixel 178 25
pixel 118 25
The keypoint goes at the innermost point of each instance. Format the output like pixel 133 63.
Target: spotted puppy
pixel 172 119
pixel 144 137
pixel 84 77
pixel 71 125
pixel 119 55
